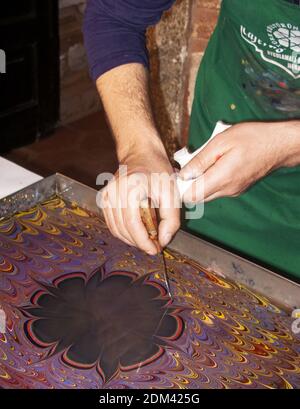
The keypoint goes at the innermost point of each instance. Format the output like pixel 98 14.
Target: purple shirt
pixel 114 31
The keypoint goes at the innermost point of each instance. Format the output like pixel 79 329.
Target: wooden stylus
pixel 149 219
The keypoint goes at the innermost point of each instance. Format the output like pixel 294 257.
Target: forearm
pixel 125 95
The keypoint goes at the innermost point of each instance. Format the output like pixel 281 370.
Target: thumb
pixel 202 162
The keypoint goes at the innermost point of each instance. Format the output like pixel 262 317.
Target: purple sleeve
pixel 114 31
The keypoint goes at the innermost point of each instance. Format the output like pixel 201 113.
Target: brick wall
pixel 203 18
pixel 78 94
pixel 176 46
pixel 167 45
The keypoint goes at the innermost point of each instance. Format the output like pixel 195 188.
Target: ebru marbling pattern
pixel 87 311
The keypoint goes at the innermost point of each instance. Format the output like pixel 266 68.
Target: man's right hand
pixel 120 199
pixel 125 95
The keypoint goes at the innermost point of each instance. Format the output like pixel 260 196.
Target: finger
pixel 114 215
pixel 105 207
pixel 213 182
pixel 109 220
pixel 195 193
pixel 130 196
pixel 204 160
pixel 118 225
pixel 106 218
pixel 120 215
pixel 223 193
pixel 138 232
pixel 109 210
pixel 169 211
pixel 215 196
pixel 218 179
pixel 128 233
pixel 113 227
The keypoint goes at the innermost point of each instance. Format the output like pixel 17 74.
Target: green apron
pixel 251 71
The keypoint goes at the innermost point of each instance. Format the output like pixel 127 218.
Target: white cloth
pixel 13 177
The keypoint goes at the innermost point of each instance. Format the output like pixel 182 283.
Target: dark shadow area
pixel 29 88
pixel 80 150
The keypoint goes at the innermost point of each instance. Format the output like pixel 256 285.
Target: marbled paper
pixel 87 311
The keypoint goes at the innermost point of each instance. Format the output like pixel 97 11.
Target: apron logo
pixel 285 36
pixel 281 48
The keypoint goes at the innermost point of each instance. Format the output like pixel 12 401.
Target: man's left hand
pixel 240 156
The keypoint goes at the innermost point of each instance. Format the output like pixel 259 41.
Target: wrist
pixel 146 145
pixel 290 133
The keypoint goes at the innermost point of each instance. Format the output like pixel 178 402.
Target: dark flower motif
pixel 112 322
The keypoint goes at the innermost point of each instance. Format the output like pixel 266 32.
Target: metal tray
pixel 266 282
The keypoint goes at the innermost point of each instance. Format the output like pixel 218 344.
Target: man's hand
pixel 240 156
pixel 121 199
pixel 125 96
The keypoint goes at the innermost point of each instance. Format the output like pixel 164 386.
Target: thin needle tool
pixel 149 218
